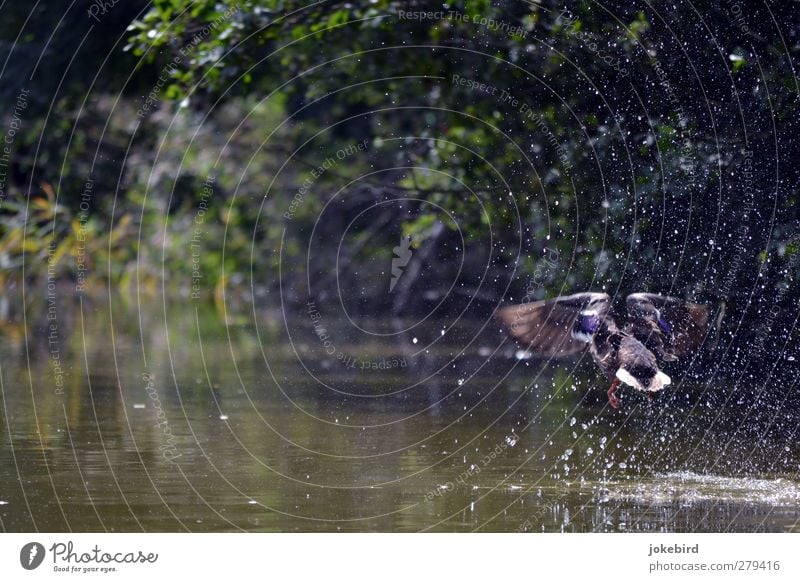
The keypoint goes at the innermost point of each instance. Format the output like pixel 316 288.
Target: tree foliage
pixel 617 146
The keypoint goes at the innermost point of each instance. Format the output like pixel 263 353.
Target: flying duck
pixel 659 329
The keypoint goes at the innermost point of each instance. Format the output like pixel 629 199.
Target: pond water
pixel 172 415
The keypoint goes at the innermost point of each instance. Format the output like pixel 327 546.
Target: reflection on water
pixel 172 421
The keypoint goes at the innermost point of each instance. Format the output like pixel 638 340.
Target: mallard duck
pixel 659 329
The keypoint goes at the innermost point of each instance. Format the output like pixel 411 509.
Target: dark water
pixel 167 417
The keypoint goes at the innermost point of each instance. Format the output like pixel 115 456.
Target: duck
pixel 659 329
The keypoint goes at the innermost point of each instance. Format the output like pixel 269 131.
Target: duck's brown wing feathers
pixel 546 327
pixel 680 325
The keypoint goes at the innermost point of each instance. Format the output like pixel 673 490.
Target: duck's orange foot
pixel 614 400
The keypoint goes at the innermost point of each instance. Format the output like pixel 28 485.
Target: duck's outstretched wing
pixel 557 327
pixel 677 327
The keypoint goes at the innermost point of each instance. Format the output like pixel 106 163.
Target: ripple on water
pixel 689 487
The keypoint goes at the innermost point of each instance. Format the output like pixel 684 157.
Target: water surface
pixel 172 417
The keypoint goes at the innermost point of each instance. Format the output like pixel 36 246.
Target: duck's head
pixel 644 379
